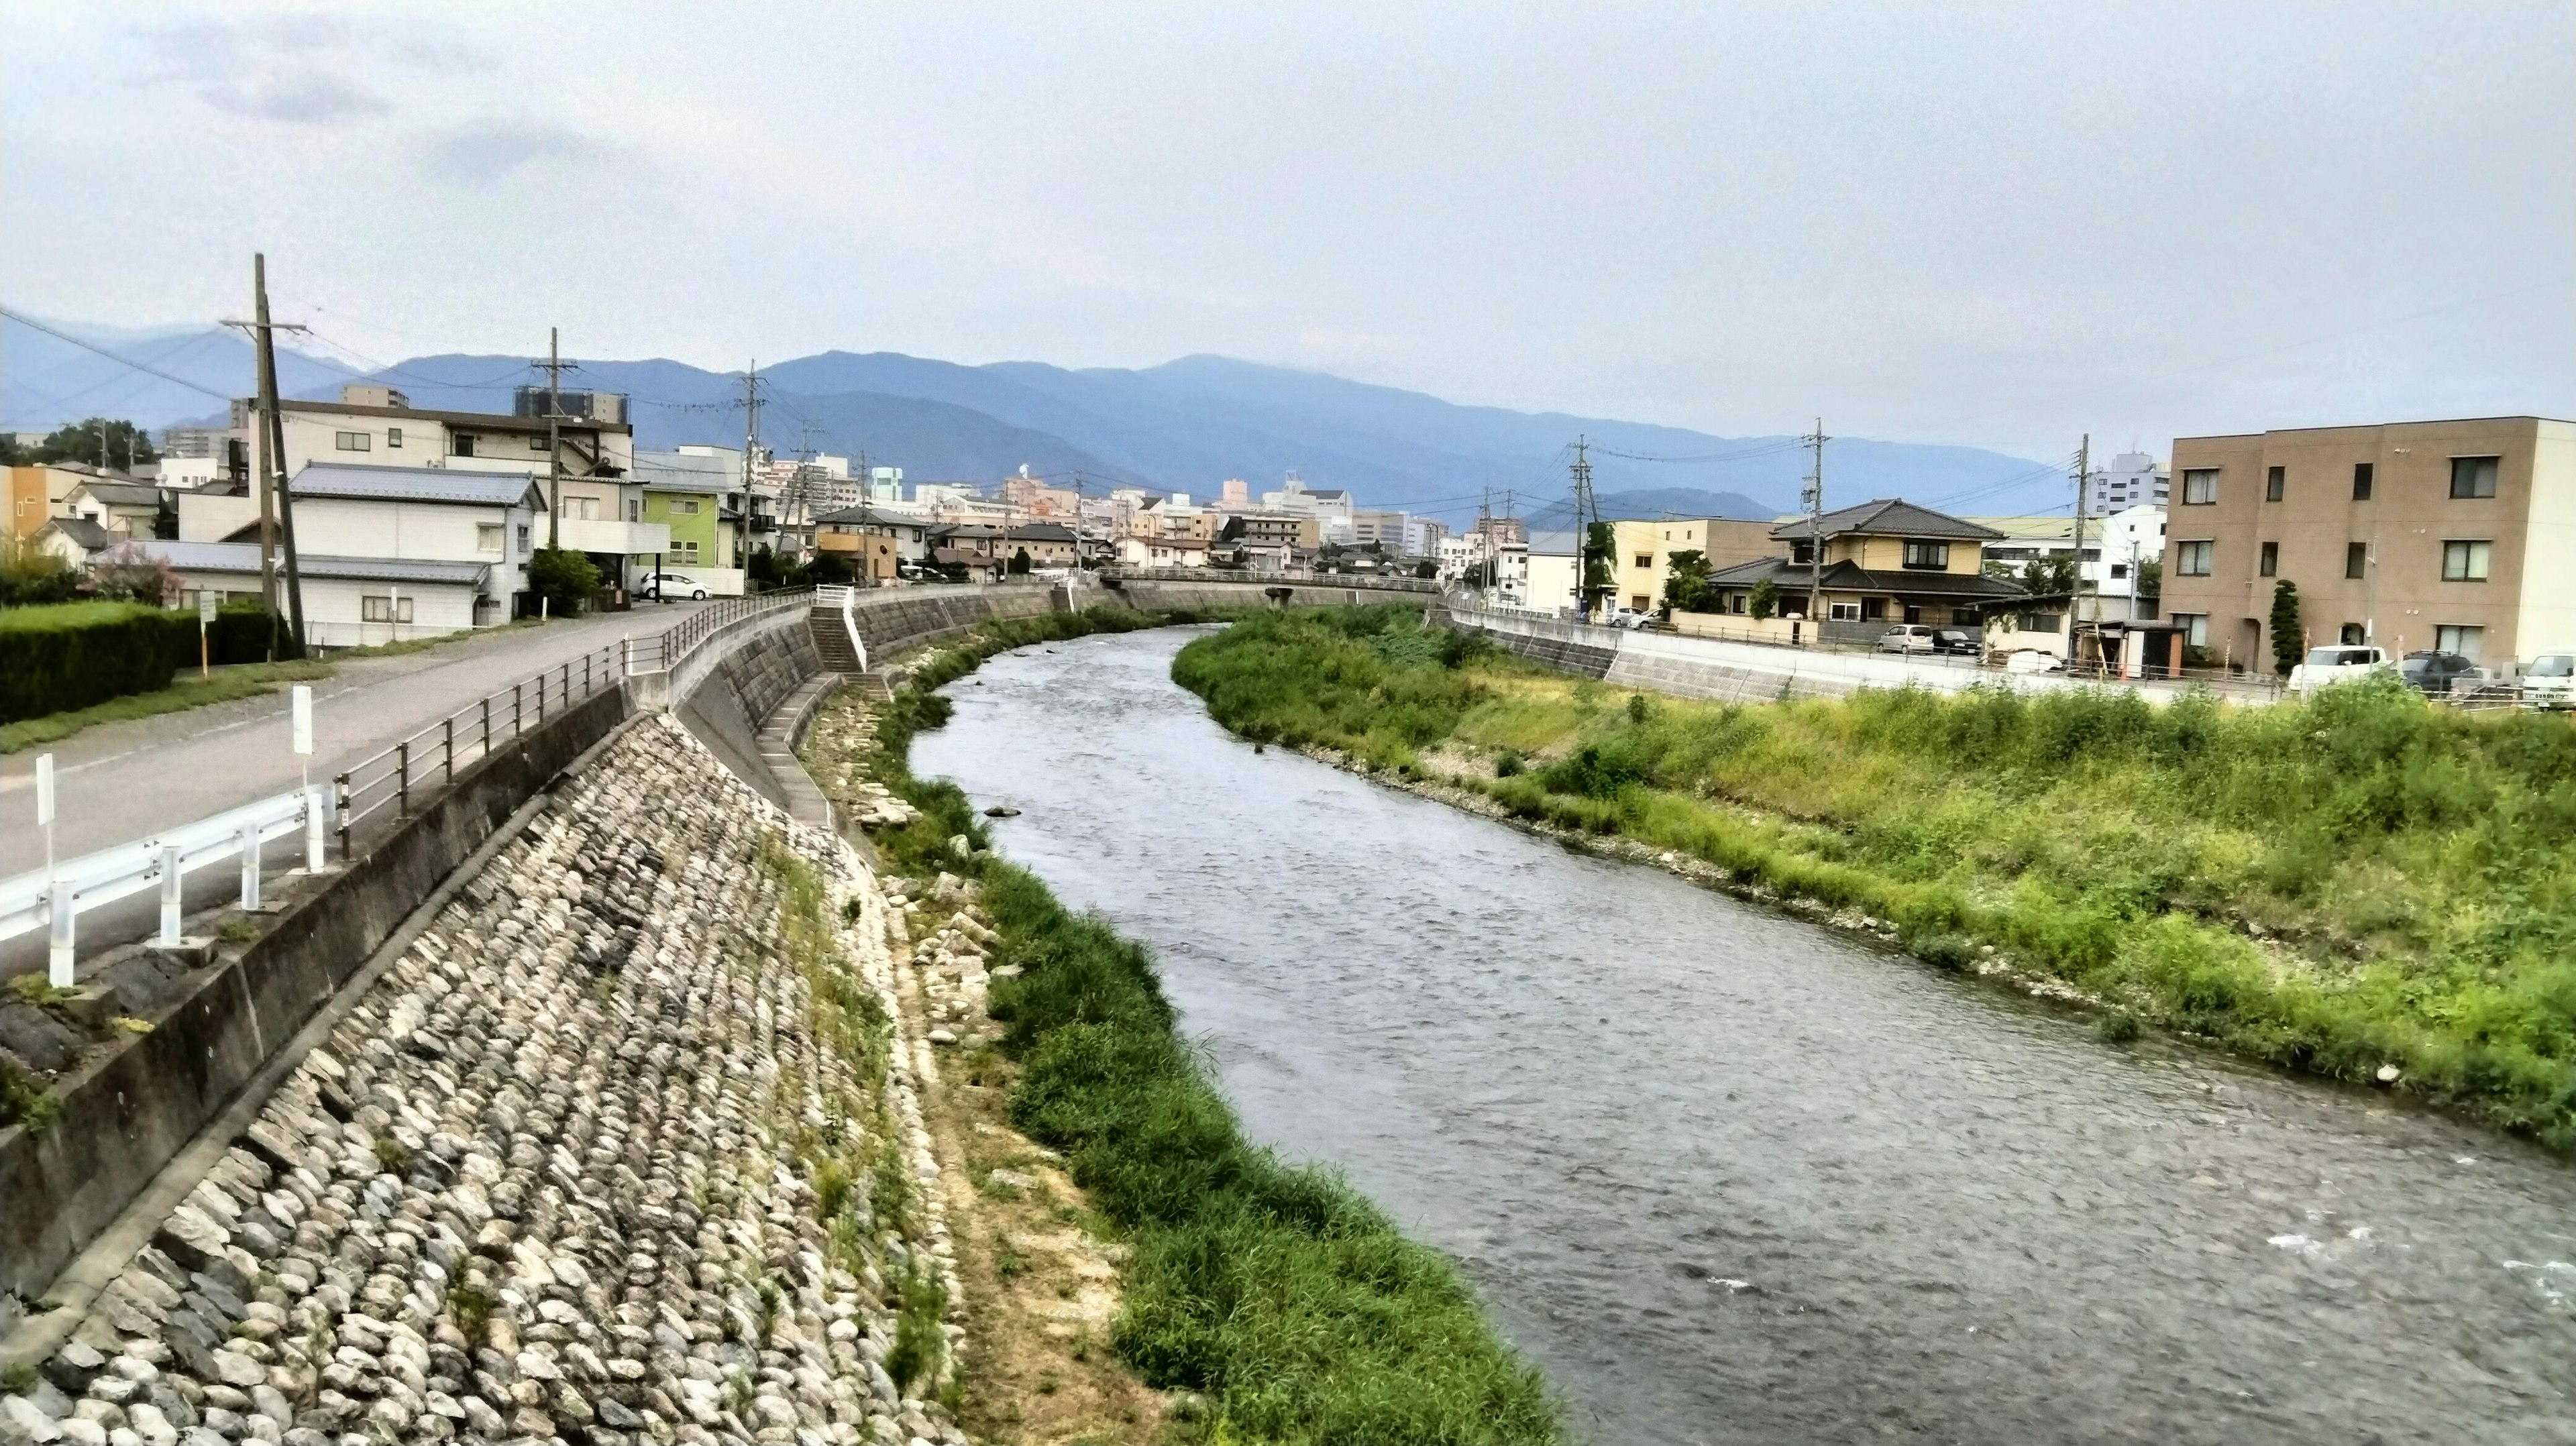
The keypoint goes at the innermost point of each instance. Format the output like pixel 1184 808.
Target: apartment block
pixel 2457 535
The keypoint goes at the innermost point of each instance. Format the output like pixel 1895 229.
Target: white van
pixel 2338 664
pixel 2549 680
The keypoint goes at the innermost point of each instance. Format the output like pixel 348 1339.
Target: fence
pixel 55 897
pixel 1302 578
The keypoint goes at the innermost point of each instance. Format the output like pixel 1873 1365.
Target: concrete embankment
pixel 580 1164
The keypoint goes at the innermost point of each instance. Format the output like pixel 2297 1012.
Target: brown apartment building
pixel 2454 535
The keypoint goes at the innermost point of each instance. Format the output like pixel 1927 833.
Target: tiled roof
pixel 1847 576
pixel 243 557
pixel 416 484
pixel 1893 517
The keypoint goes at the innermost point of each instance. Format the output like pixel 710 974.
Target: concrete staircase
pixel 832 642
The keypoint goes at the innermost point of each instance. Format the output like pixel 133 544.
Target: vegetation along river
pixel 1730 1176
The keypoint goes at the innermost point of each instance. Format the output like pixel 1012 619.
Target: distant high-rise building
pixel 2131 480
pixel 1235 492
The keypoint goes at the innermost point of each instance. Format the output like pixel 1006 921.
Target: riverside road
pixel 1732 1177
pixel 123 781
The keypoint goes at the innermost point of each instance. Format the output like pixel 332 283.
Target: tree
pixel 128 573
pixel 29 573
pixel 1599 543
pixel 1426 568
pixel 1020 562
pixel 2049 575
pixel 2289 636
pixel 2151 577
pixel 564 578
pixel 79 442
pixel 1765 600
pixel 1688 590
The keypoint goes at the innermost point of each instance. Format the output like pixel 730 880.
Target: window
pixel 2191 559
pixel 1932 555
pixel 2473 476
pixel 2455 638
pixel 582 509
pixel 487 538
pixel 1966 618
pixel 2466 561
pixel 2361 477
pixel 2040 622
pixel 2356 558
pixel 1873 609
pixel 523 537
pixel 2194 628
pixel 2271 565
pixel 1735 603
pixel 1639 602
pixel 1645 559
pixel 536 444
pixel 462 444
pixel 393 439
pixel 1802 552
pixel 1843 612
pixel 2276 481
pixel 2352 638
pixel 684 506
pixel 686 551
pixel 385 609
pixel 635 509
pixel 360 442
pixel 2119 569
pixel 2199 486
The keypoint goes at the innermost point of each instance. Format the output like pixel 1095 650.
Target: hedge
pixel 72 655
pixel 241 635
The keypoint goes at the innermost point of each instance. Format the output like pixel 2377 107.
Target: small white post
pixel 58 969
pixel 250 866
pixel 172 888
pixel 316 805
pixel 301 732
pixel 45 806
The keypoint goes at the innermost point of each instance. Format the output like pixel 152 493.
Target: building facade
pixel 2456 535
pixel 2132 479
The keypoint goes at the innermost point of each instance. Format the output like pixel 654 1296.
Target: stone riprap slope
pixel 623 1149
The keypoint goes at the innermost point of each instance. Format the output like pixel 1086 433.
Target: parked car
pixel 2549 680
pixel 667 585
pixel 1958 640
pixel 2033 660
pixel 2433 674
pixel 2325 667
pixel 1908 638
pixel 1629 618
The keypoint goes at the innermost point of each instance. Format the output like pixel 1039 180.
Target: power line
pixel 27 321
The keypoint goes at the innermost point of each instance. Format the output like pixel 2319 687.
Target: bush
pixel 30 576
pixel 564 578
pixel 245 632
pixel 56 659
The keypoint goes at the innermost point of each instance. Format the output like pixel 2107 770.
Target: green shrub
pixel 71 655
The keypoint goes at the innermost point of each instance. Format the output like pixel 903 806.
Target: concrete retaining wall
pixel 1167 595
pixel 127 1112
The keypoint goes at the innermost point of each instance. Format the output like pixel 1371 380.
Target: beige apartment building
pixel 2457 535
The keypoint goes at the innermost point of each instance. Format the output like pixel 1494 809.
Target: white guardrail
pixel 844 598
pixel 56 897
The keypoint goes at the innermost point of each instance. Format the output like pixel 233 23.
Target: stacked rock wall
pixel 556 1174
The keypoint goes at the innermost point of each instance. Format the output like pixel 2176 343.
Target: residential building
pixel 2454 535
pixel 349 601
pixel 1048 544
pixel 1234 492
pixel 2116 547
pixel 1642 562
pixel 1138 551
pixel 1034 498
pixel 1548 575
pixel 459 529
pixel 122 509
pixel 378 426
pixel 885 484
pixel 73 539
pixel 1331 506
pixel 1884 561
pixel 691 514
pixel 878 541
pixel 1173 516
pixel 2131 479
pixel 1303 532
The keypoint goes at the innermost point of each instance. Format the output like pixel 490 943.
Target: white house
pixel 483 522
pixel 1162 552
pixel 348 601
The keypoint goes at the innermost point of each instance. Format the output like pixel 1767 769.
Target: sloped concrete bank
pixel 580 1165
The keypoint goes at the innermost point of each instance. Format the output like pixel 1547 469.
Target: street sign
pixel 205 607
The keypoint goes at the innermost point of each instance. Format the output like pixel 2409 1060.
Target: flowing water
pixel 1729 1176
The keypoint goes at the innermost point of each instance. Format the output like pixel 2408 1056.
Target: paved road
pixel 124 780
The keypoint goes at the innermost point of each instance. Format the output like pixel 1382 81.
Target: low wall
pixel 1167 594
pixel 1570 646
pixel 126 1112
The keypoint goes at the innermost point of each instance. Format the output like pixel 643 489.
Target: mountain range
pixel 1184 426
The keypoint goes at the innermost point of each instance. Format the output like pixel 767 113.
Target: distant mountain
pixel 45 381
pixel 1184 426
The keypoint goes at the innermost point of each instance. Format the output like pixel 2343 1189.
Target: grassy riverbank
pixel 2338 886
pixel 1280 1294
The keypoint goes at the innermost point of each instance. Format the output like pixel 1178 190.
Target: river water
pixel 1730 1177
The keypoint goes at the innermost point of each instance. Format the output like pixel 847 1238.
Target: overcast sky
pixel 1994 225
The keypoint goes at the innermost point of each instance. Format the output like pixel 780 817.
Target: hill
pixel 1183 426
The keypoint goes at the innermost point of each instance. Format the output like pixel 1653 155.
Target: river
pixel 1732 1177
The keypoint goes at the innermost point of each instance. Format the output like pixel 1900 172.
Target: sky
pixel 1994 225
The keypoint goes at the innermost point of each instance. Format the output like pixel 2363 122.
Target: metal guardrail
pixel 1289 579
pixel 55 900
pixel 412 769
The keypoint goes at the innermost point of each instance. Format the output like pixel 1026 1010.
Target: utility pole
pixel 2075 603
pixel 276 506
pixel 102 446
pixel 1814 498
pixel 750 437
pixel 554 438
pixel 1586 510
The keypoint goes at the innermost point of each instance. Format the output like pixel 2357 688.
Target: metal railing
pixel 1301 578
pixel 55 899
pixel 667 648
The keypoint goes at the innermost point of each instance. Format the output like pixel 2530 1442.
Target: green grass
pixel 2335 885
pixel 242 680
pixel 1278 1292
